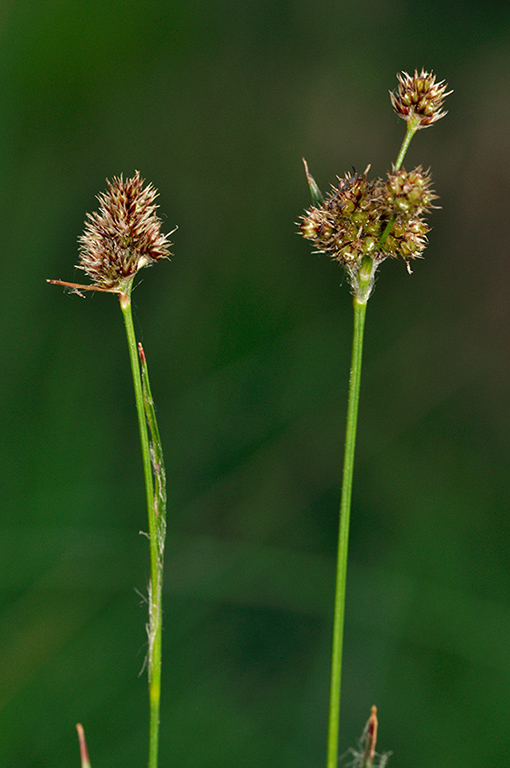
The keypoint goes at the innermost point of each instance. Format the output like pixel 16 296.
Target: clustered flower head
pixel 379 219
pixel 418 98
pixel 124 236
pixel 362 222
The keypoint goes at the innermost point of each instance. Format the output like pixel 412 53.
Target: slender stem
pixel 343 532
pixel 410 131
pixel 155 543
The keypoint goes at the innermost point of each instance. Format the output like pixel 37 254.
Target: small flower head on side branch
pixel 418 98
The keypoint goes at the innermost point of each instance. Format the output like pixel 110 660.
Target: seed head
pixel 351 222
pixel 124 236
pixel 346 225
pixel 365 222
pixel 418 98
pixel 407 193
pixel 407 239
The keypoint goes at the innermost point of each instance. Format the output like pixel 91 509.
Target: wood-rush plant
pixel 124 236
pixel 361 223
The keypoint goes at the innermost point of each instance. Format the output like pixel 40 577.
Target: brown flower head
pixel 124 236
pixel 346 225
pixel 377 220
pixel 418 98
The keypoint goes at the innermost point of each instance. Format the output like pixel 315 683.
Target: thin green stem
pixel 156 526
pixel 411 130
pixel 343 532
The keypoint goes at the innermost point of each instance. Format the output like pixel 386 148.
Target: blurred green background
pixel 248 334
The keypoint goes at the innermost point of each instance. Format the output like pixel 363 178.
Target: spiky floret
pixel 124 236
pixel 347 223
pixel 418 98
pixel 408 239
pixel 409 192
